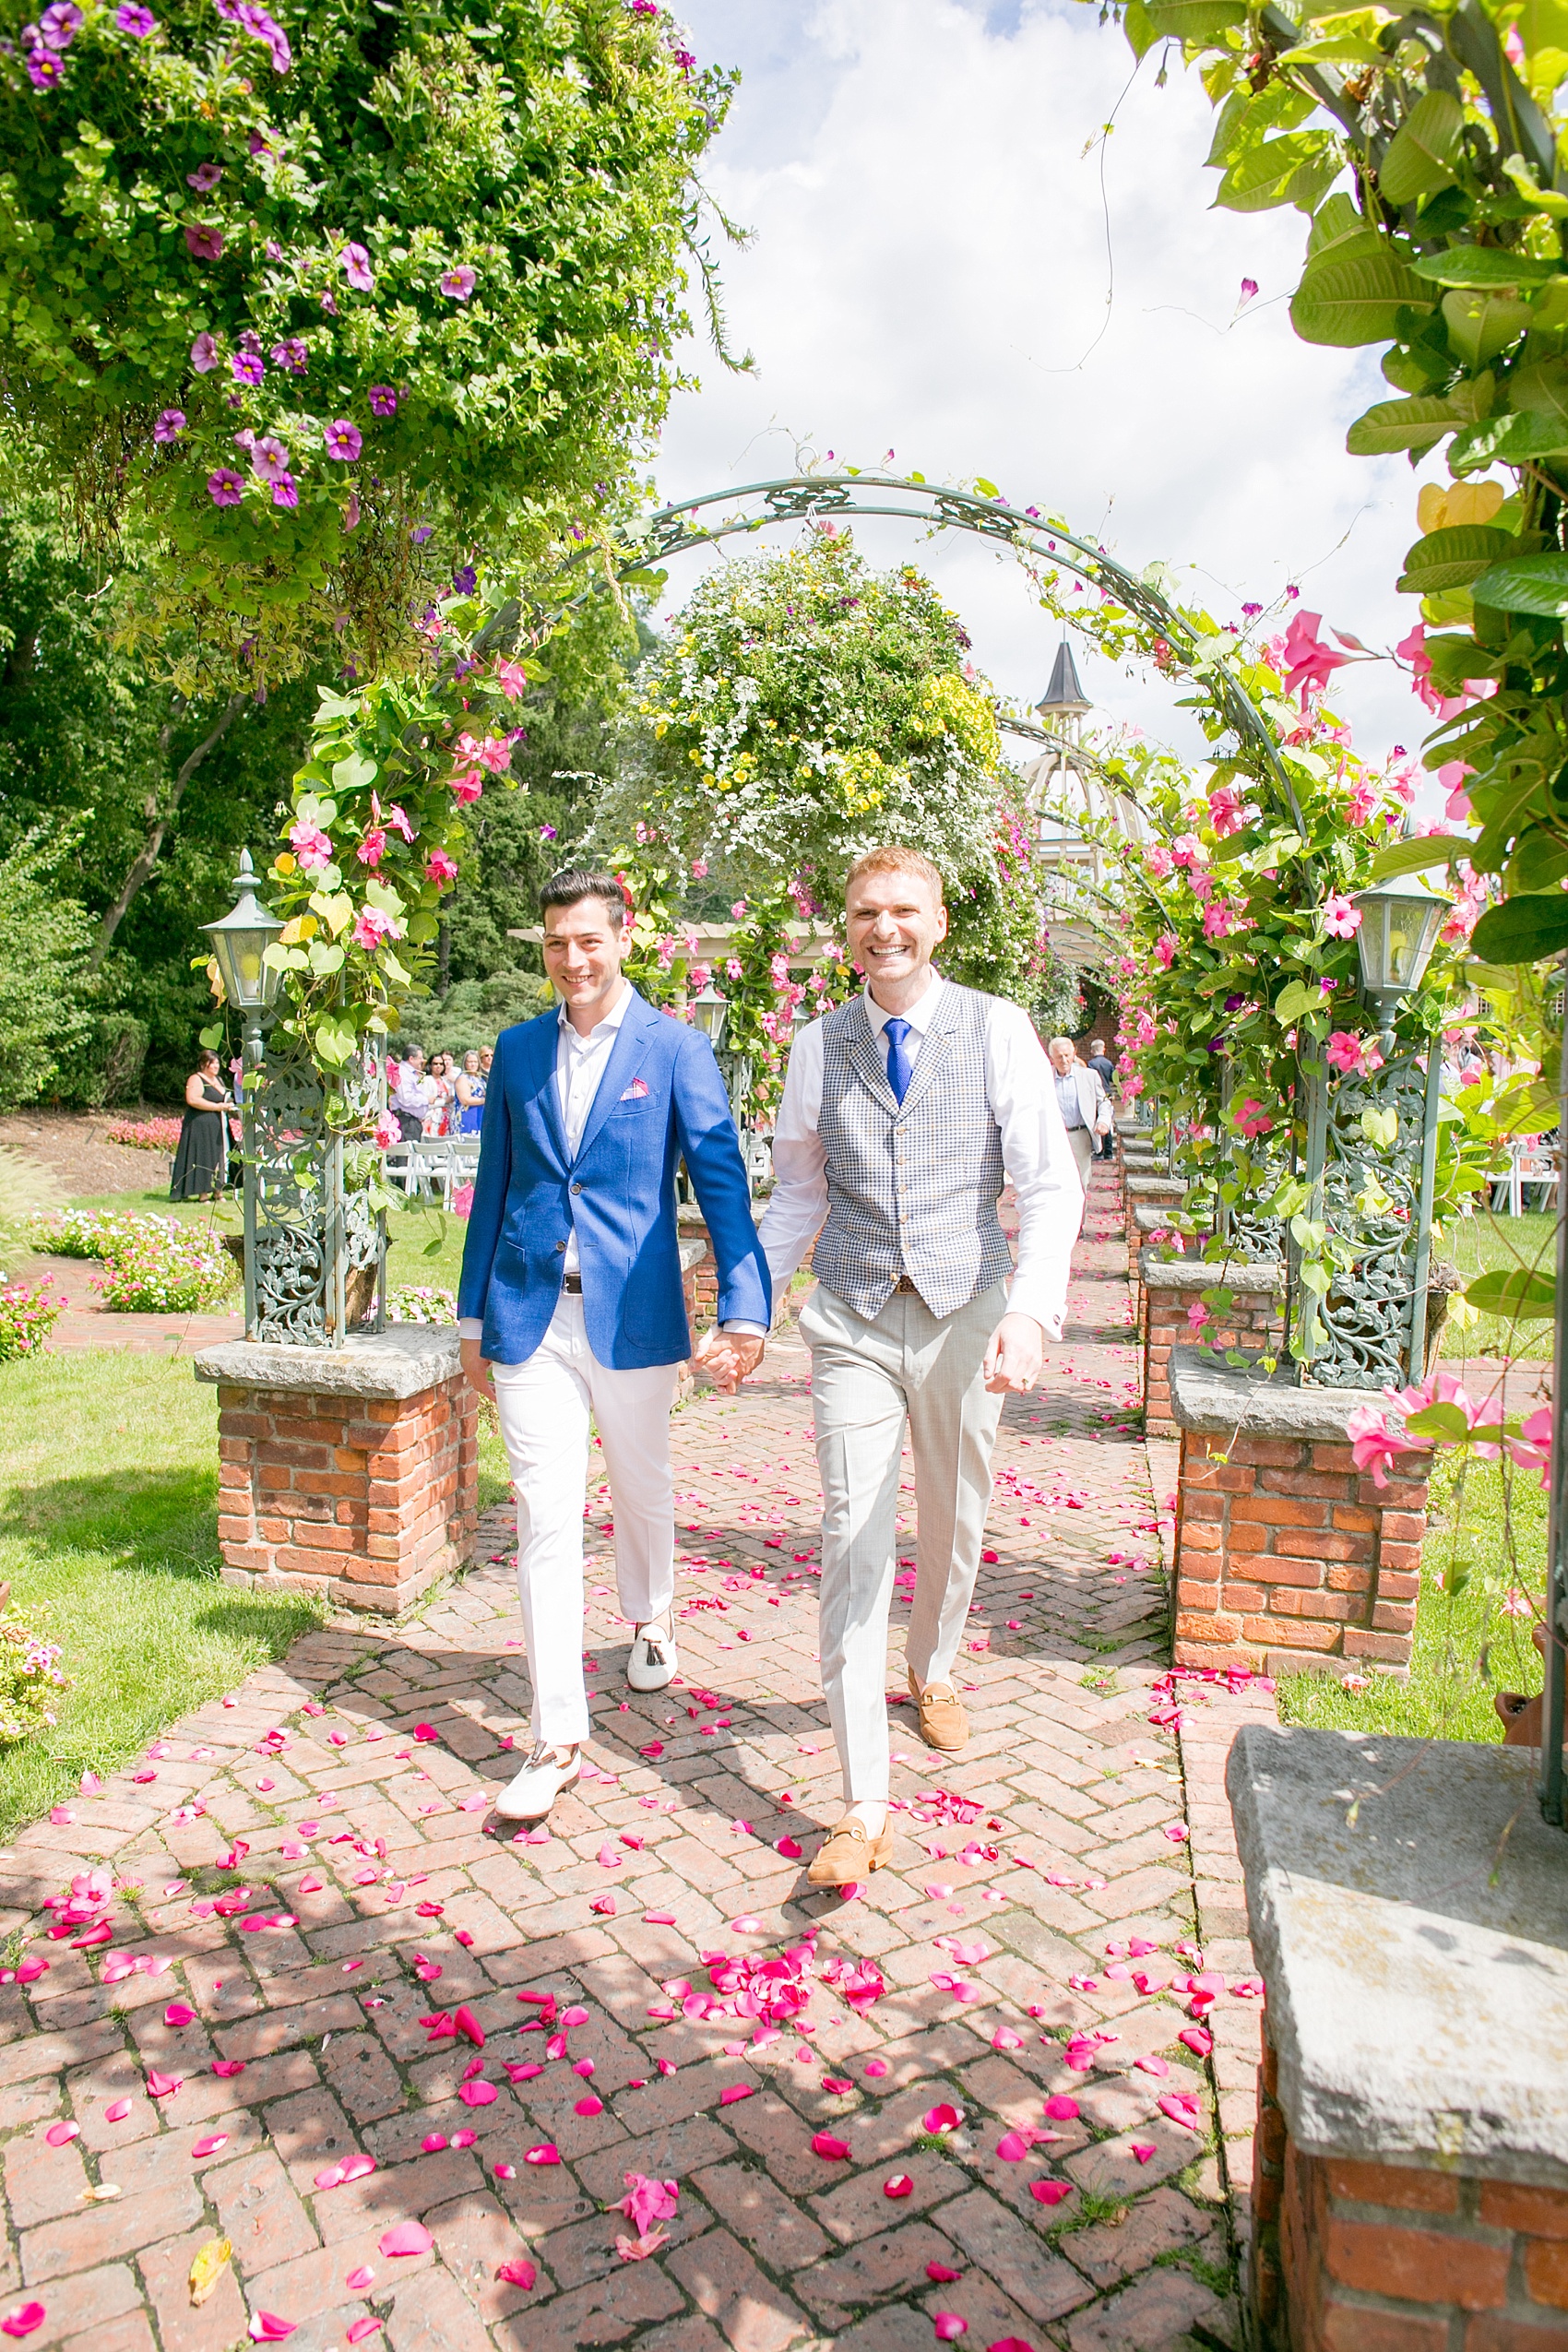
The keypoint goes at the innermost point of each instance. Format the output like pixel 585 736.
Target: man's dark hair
pixel 573 883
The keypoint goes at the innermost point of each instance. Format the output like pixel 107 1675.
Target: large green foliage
pixel 808 708
pixel 318 302
pixel 43 942
pixel 1444 243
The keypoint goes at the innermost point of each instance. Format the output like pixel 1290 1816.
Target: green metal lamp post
pixel 240 942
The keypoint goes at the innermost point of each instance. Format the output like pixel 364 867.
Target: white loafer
pixel 653 1663
pixel 530 1793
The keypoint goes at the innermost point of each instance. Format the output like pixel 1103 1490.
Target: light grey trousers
pixel 868 1379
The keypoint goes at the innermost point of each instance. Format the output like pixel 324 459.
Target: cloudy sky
pixel 937 230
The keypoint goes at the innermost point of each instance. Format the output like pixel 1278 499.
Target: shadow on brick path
pixel 1015 1965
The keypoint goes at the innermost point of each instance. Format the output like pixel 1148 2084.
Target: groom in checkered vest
pixel 904 1112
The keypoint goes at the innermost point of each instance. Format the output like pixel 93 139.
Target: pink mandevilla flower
pixel 459 283
pixel 311 846
pixel 1188 851
pixel 1309 662
pixel 440 869
pixel 1374 1442
pixel 1217 920
pixel 372 927
pixel 170 424
pixel 1340 919
pixel 1158 861
pixel 225 487
pixel 342 440
pixel 1252 1119
pixel 373 849
pixel 1165 947
pixel 512 678
pixel 1363 801
pixel 1225 810
pixel 467 785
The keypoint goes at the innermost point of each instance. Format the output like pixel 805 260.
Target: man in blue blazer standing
pixel 570 1303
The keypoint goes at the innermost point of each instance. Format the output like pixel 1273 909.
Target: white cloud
pixel 929 273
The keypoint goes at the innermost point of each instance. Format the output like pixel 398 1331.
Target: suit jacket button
pixel 561 1248
pixel 576 1188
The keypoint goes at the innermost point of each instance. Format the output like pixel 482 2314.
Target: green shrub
pixel 29 1677
pixel 44 938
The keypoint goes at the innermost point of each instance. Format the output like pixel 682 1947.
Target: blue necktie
pixel 899 1067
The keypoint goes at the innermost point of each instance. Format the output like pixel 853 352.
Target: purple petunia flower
pixel 204 178
pixel 44 68
pixel 352 516
pixel 463 582
pixel 342 440
pixel 274 250
pixel 459 283
pixel 269 459
pixel 225 487
pixel 248 367
pixel 382 400
pixel 291 354
pixel 59 26
pixel 245 437
pixel 259 143
pixel 204 354
pixel 261 27
pixel 139 22
pixel 284 493
pixel 329 303
pixel 421 532
pixel 170 424
pixel 205 242
pixel 354 262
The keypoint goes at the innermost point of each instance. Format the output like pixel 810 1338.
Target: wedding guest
pixel 201 1158
pixel 471 1093
pixel 413 1095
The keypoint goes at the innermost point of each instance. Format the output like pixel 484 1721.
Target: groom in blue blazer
pixel 570 1304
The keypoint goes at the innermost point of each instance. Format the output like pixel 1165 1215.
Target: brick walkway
pixel 223 2067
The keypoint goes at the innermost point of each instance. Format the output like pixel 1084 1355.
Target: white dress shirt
pixel 1035 1152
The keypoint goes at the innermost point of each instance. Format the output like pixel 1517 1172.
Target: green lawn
pixel 1466 1643
pixel 1481 1244
pixel 108 1536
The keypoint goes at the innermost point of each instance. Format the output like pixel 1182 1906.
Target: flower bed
pixel 145 1135
pixel 159 1266
pixel 30 1677
pixel 27 1317
pixel 418 1302
pixel 82 1233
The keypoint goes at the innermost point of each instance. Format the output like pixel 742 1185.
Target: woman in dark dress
pixel 203 1155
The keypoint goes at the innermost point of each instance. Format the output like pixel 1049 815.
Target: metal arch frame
pixel 674 530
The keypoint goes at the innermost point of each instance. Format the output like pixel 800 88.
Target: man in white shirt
pixel 902 1110
pixel 1082 1101
pixel 414 1096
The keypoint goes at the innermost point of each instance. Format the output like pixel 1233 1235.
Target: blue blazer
pixel 660 1096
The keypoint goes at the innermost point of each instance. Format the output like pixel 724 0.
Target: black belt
pixel 571 1282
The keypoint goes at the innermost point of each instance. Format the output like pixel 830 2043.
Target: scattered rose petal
pixel 178 2012
pixel 433 2142
pixel 477 2094
pixel 944 2117
pixel 268 2328
pixel 899 2185
pixel 825 2144
pixel 545 2153
pixel 358 2280
pixel 517 2273
pixel 59 2134
pixel 405 2238
pixel 357 2330
pixel 228 2067
pixel 941 2274
pixel 877 2067
pixel 1063 2110
pixel 590 2106
pixel 736 2091
pixel 23 2320
pixel 210 2145
pixel 1051 2193
pixel 949 2327
pixel 1012 2148
pixel 116 2111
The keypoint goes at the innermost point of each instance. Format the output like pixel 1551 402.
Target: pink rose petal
pixel 268 2328
pixel 590 2106
pixel 899 2185
pixel 210 2145
pixel 548 2153
pixel 477 2094
pixel 949 2327
pixel 1061 2109
pixel 517 2273
pixel 1143 2150
pixel 1051 2193
pixel 736 2091
pixel 58 2134
pixel 941 2274
pixel 117 2111
pixel 825 2144
pixel 944 2117
pixel 357 2330
pixel 358 2280
pixel 1012 2148
pixel 23 2320
pixel 178 2012
pixel 406 2237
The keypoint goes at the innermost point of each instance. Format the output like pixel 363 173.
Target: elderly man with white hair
pixel 1083 1101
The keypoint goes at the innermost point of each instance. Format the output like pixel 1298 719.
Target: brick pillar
pixel 1254 1322
pixel 351 1471
pixel 1287 1555
pixel 1146 1191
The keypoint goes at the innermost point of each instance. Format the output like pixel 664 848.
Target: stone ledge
pixel 1246 1279
pixel 1217 1401
pixel 1416 1958
pixel 394 1363
pixel 1155 1188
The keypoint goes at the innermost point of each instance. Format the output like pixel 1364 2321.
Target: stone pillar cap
pixel 1217 1400
pixel 1408 1909
pixel 394 1364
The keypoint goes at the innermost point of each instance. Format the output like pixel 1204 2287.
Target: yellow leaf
pixel 207 2268
pixel 1443 505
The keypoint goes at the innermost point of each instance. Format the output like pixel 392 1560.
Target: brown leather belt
pixel 905 1283
pixel 571 1282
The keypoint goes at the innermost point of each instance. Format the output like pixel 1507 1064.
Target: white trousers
pixel 544 1407
pixel 868 1379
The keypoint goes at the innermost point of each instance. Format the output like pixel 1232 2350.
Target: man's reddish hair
pixel 893 860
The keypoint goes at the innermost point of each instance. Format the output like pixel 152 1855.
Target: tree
pixel 316 305
pixel 43 944
pixel 807 708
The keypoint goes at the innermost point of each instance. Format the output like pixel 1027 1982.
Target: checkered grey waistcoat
pixel 911 1187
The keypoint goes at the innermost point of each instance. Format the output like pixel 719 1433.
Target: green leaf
pixel 1520 1293
pixel 1195 19
pixel 351 775
pixel 1513 439
pixel 1527 584
pixel 1421 155
pixel 212 1038
pixel 1296 998
pixel 1438 1421
pixel 1452 558
pixel 1540 389
pixel 335 1040
pixel 1380 1127
pixel 1523 929
pixel 1481 325
pixel 986 489
pixel 1358 300
pixel 1396 858
pixel 1400 424
pixel 1337 223
pixel 1294 169
pixel 1482 266
pixel 1140 34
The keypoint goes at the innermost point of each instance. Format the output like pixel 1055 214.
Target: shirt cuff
pixel 470 1327
pixel 746 1330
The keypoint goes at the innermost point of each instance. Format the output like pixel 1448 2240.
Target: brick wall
pixel 1254 1322
pixel 1287 1556
pixel 370 1499
pixel 1351 2256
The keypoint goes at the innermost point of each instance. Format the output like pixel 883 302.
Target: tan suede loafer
pixel 848 1856
pixel 944 1723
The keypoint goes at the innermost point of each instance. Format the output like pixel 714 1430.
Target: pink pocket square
pixel 635 1091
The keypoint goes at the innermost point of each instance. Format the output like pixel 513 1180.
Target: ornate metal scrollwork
pixel 1375 1197
pixel 314 1244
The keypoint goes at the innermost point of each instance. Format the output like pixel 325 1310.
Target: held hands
pixel 1014 1358
pixel 476 1367
pixel 727 1356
